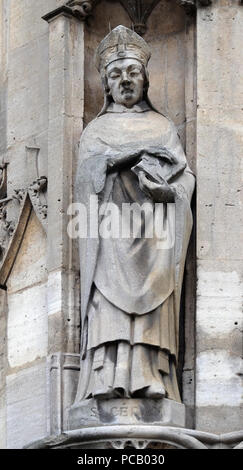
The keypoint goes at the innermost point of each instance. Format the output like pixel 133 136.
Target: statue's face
pixel 126 81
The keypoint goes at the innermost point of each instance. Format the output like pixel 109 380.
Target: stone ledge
pixel 140 437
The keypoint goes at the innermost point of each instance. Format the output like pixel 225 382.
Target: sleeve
pixel 186 179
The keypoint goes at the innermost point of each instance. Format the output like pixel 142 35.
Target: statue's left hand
pixel 158 192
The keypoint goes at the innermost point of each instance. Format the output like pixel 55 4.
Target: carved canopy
pixel 138 10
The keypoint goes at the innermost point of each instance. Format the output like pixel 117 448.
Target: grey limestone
pixel 219 214
pixel 26 405
pixel 126 411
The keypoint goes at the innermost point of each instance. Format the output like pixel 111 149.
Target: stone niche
pixel 170 34
pixel 28 390
pixel 166 35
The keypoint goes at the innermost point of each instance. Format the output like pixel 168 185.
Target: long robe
pixel 130 289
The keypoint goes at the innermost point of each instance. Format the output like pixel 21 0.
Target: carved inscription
pixel 123 411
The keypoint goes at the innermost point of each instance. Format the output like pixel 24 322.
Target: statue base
pixel 128 411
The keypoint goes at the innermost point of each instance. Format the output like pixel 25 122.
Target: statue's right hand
pixel 122 162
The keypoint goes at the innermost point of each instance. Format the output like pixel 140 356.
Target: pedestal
pixel 129 411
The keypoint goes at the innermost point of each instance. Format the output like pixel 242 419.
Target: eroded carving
pixel 37 195
pixel 15 231
pixel 6 227
pixel 81 8
pixel 11 207
pixel 3 180
pixel 126 444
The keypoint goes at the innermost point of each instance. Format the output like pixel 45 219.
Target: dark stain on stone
pixel 150 410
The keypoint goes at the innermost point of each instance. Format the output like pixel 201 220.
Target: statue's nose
pixel 125 79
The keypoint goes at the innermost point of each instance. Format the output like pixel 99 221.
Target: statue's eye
pixel 114 75
pixel 134 73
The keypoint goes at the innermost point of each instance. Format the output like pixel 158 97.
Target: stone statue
pixel 130 289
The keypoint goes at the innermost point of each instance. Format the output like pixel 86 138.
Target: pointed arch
pixel 16 240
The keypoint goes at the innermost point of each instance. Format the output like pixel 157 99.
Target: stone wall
pixel 24 147
pixel 49 90
pixel 219 217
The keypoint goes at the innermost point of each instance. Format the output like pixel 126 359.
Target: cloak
pixel 124 136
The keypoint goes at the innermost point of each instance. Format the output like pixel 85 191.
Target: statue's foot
pixel 155 391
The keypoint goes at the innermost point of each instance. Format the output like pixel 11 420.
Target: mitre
pixel 121 43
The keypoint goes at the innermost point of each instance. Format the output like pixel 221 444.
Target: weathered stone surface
pixel 126 411
pixel 140 437
pixel 27 13
pixel 30 264
pixel 26 405
pixel 3 368
pixel 219 230
pixel 27 318
pixel 63 311
pixel 26 90
pixel 65 125
pixel 63 370
pixel 220 417
pixel 219 371
pixel 24 134
pixel 26 86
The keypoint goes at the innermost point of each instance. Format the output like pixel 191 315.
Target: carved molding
pixel 63 369
pixel 142 437
pixel 138 10
pixel 11 233
pixel 15 241
pixel 36 192
pixel 6 227
pixel 37 195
